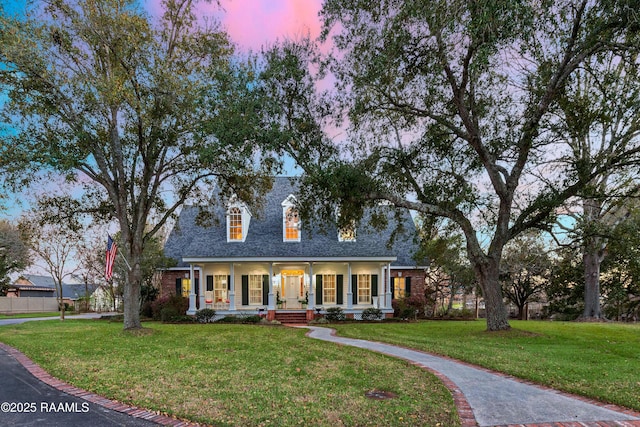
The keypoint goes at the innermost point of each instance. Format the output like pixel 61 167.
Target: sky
pixel 251 24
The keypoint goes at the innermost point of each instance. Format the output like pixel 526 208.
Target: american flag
pixel 112 249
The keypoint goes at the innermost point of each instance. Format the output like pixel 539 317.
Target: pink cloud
pixel 256 23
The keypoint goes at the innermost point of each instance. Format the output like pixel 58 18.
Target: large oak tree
pixel 144 116
pixel 449 110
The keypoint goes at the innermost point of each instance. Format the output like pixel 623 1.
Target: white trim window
pixel 329 288
pixel 220 287
pixel 255 289
pixel 348 233
pixel 291 225
pixel 364 289
pixel 290 220
pixel 235 224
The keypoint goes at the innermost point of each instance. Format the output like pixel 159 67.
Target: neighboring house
pixel 248 262
pixel 102 299
pixel 32 286
pixel 43 286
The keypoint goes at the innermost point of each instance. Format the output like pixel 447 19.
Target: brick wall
pixel 417 279
pixel 168 280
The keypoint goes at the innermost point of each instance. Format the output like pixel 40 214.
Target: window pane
pixel 329 288
pixel 291 222
pixel 398 287
pixel 364 289
pixel 235 224
pixel 220 287
pixel 255 289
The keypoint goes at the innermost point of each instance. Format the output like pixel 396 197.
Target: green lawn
pixel 30 315
pixel 596 360
pixel 235 374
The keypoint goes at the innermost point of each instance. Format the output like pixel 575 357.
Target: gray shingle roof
pixel 264 239
pixel 72 291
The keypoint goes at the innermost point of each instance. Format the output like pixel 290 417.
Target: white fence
pixel 10 305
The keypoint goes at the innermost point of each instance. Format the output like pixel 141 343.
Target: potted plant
pixel 304 301
pixel 279 302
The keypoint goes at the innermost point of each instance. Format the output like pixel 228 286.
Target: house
pixel 43 286
pixel 32 286
pixel 267 262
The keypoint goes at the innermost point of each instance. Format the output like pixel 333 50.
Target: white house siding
pixel 236 300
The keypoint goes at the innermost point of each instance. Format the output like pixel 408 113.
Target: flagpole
pixel 125 261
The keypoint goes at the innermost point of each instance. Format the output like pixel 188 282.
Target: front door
pixel 292 291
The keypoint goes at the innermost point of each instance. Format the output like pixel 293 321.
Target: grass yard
pixel 596 360
pixel 235 374
pixel 30 315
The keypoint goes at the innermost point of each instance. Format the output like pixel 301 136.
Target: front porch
pixel 251 286
pixel 296 316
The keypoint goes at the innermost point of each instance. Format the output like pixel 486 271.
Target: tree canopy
pixel 14 253
pixel 449 106
pixel 144 117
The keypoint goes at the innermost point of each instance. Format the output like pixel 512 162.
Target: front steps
pixel 292 317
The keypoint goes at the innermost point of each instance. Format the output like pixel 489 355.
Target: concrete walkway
pixel 491 399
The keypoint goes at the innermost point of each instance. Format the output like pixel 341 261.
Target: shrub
pixel 229 319
pixel 251 319
pixel 206 315
pixel 168 314
pixel 146 310
pixel 335 314
pixel 372 314
pixel 410 308
pixel 179 303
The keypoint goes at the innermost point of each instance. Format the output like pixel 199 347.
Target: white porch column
pixel 382 299
pixel 201 304
pixel 311 304
pixel 232 288
pixel 349 288
pixel 388 290
pixel 271 305
pixel 192 292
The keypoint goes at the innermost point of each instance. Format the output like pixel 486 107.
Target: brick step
pixel 291 317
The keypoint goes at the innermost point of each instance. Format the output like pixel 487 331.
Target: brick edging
pixel 465 411
pixel 42 375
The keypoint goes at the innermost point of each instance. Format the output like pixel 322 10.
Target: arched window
pixel 291 224
pixel 235 224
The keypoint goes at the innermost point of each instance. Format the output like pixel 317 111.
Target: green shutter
pixel 340 289
pixel 319 289
pixel 374 285
pixel 179 286
pixel 245 289
pixel 265 289
pixel 354 288
pixel 407 287
pixel 209 283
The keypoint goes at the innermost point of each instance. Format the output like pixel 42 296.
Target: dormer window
pixel 290 220
pixel 238 218
pixel 235 224
pixel 291 225
pixel 348 233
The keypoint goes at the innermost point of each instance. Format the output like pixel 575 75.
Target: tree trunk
pixel 487 273
pixel 131 295
pixel 592 263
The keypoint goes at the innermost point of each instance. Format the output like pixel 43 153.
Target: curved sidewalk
pixel 487 398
